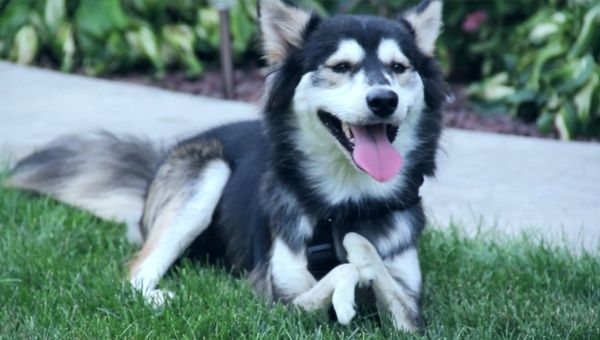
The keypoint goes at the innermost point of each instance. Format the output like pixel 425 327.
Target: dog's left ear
pixel 426 21
pixel 282 29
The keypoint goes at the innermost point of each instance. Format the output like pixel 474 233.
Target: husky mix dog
pixel 317 198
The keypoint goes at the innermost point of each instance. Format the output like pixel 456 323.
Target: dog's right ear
pixel 282 29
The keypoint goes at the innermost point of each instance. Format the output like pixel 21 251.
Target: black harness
pixel 321 252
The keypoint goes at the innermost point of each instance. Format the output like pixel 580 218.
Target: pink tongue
pixel 374 153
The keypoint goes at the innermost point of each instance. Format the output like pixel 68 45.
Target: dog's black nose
pixel 382 102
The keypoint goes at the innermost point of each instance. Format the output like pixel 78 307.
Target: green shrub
pixel 116 35
pixel 550 71
pixel 113 35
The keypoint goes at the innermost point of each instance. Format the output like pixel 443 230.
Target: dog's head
pixel 354 84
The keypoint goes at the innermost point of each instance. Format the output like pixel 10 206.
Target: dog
pixel 318 197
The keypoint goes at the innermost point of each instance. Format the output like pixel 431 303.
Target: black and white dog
pixel 317 198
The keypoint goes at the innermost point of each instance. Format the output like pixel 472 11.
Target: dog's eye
pixel 342 67
pixel 398 68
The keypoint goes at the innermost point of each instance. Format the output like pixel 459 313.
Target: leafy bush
pixel 112 35
pixel 550 71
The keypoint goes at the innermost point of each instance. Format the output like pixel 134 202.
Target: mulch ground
pixel 249 87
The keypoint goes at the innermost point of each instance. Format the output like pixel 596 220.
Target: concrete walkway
pixel 37 105
pixel 487 182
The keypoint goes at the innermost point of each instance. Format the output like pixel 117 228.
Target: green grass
pixel 61 276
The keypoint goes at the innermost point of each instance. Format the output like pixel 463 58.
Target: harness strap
pixel 321 254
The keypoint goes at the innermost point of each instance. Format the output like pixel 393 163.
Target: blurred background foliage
pixel 107 36
pixel 535 59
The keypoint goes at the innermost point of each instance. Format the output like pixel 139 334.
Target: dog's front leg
pixel 293 282
pixel 396 281
pixel 336 288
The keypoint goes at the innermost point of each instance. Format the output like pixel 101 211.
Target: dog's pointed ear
pixel 426 21
pixel 282 29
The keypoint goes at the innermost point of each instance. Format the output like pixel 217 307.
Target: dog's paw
pixel 363 255
pixel 405 316
pixel 158 297
pixel 406 324
pixel 344 310
pixel 366 277
pixel 305 303
pixel 343 294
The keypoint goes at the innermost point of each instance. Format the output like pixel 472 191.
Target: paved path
pixel 37 105
pixel 510 183
pixel 503 184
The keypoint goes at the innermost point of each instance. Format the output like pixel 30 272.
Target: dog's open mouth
pixel 370 146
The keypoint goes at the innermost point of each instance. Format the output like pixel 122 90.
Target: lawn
pixel 61 276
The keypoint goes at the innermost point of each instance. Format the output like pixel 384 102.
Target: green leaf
pixel 544 56
pixel 65 43
pixel 589 34
pixel 98 18
pixel 207 28
pixel 586 99
pixel 521 96
pixel 492 89
pixel 54 13
pixel 25 46
pixel 14 17
pixel 148 8
pixel 573 75
pixel 242 29
pixel 182 39
pixel 566 121
pixel 542 32
pixel 545 122
pixel 144 42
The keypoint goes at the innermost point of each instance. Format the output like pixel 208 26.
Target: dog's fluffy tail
pixel 103 174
